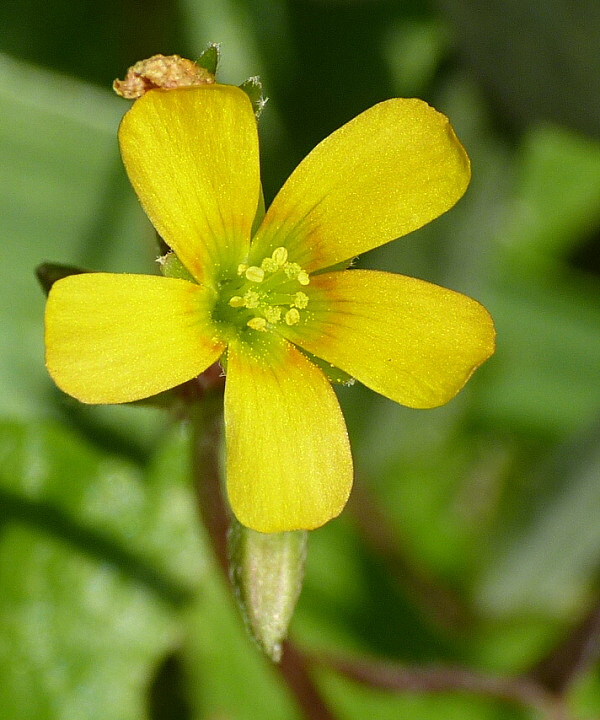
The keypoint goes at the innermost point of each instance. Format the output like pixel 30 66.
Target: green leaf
pixel 52 479
pixel 79 638
pixel 547 565
pixel 94 561
pixel 414 49
pixel 65 200
pixel 544 375
pixel 557 197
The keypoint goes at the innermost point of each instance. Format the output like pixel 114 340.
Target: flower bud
pixel 267 571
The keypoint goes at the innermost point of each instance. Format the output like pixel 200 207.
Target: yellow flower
pixel 278 300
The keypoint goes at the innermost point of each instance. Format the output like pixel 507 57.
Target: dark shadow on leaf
pixel 166 694
pixel 44 516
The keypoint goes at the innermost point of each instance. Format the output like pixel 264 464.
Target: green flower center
pixel 263 296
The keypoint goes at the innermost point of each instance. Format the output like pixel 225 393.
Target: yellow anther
pixel 273 314
pixel 300 300
pixel 257 323
pixel 236 301
pixel 303 278
pixel 241 268
pixel 269 265
pixel 255 274
pixel 280 255
pixel 251 299
pixel 291 269
pixel 292 317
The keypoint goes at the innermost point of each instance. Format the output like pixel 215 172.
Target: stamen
pixel 292 317
pixel 255 274
pixel 300 300
pixel 291 269
pixel 267 291
pixel 257 323
pixel 280 255
pixel 273 314
pixel 251 299
pixel 303 278
pixel 269 265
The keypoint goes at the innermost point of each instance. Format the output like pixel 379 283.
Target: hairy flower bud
pixel 267 572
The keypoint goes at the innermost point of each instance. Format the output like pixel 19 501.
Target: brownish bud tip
pixel 161 71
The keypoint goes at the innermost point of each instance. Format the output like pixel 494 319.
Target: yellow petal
pixel 409 340
pixel 288 459
pixel 192 158
pixel 389 171
pixel 118 338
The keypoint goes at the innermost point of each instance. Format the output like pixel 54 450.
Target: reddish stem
pixel 207 423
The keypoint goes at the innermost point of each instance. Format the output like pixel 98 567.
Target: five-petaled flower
pixel 273 296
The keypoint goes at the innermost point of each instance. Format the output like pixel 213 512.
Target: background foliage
pixel 473 538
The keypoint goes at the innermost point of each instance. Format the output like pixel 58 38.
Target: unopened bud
pixel 267 571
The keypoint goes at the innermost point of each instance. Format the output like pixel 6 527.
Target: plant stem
pixel 439 678
pixel 207 423
pixel 571 657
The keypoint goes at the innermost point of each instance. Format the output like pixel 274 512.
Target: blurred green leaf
pixel 52 479
pixel 543 378
pixel 414 49
pixel 227 675
pixel 226 23
pixel 64 200
pixel 557 198
pixel 93 562
pixel 79 638
pixel 585 694
pixel 548 564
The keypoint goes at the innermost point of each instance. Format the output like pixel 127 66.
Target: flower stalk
pixel 206 418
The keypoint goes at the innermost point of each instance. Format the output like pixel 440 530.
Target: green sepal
pixel 254 90
pixel 267 571
pixel 343 265
pixel 172 267
pixel 260 212
pixel 48 273
pixel 209 60
pixel 223 362
pixel 332 373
